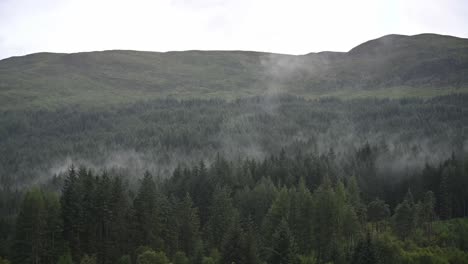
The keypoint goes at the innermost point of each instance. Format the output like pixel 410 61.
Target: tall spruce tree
pixel 146 214
pixel 30 234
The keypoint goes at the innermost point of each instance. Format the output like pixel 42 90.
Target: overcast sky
pixel 288 26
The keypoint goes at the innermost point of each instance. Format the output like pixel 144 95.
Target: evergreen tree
pixel 146 214
pixel 104 219
pixel 30 235
pixel 302 218
pixel 284 249
pixel 280 209
pixel 233 247
pixel 250 243
pixel 189 224
pixel 326 222
pixel 72 213
pixel 221 216
pixel 445 195
pixel 364 252
pixel 119 226
pixel 53 232
pixel 87 221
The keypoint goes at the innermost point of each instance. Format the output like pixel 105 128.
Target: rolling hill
pixel 392 66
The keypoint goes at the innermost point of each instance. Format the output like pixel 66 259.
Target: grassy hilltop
pixel 393 66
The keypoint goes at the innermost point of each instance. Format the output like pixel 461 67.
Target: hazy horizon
pixel 299 27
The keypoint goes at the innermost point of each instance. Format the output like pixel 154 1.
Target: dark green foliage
pixel 125 259
pixel 233 249
pixel 378 210
pixel 283 248
pixel 151 257
pixel 38 236
pixel 72 213
pixel 180 258
pixel 249 219
pixel 404 218
pixel 188 226
pixel 364 252
pixel 222 216
pixel 147 214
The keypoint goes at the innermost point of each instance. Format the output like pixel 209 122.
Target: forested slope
pixel 157 135
pixel 237 157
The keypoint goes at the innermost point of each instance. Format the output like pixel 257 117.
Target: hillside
pixel 391 66
pixel 237 157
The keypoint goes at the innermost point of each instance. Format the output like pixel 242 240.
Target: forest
pixel 236 157
pixel 287 208
pixel 258 180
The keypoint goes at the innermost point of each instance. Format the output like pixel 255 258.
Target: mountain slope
pixel 421 65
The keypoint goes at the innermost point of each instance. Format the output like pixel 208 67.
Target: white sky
pixel 288 26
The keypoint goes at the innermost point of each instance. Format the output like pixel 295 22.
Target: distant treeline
pixel 157 135
pixel 297 208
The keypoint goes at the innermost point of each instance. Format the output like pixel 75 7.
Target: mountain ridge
pixel 389 66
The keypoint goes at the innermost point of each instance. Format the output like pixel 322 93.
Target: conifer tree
pixel 146 215
pixel 72 213
pixel 283 246
pixel 30 225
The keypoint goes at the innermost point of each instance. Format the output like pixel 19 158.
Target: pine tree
pixel 87 223
pixel 103 218
pixel 53 244
pixel 280 209
pixel 250 243
pixel 146 215
pixel 221 215
pixel 326 222
pixel 189 225
pixel 445 196
pixel 302 218
pixel 233 246
pixel 72 213
pixel 119 226
pixel 30 225
pixel 283 246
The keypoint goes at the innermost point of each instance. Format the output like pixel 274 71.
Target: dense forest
pixel 157 135
pixel 259 180
pixel 301 208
